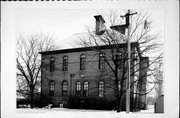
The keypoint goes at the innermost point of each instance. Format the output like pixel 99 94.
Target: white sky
pixel 63 24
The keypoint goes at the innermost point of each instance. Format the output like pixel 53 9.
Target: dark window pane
pixel 101 89
pixel 85 91
pixel 119 60
pixel 101 61
pixel 51 88
pixel 52 64
pixel 64 88
pixel 82 62
pixel 78 88
pixel 119 85
pixel 65 63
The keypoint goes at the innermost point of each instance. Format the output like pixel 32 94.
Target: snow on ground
pixel 82 113
pixel 43 110
pixel 150 110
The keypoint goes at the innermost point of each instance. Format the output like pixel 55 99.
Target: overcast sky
pixel 64 24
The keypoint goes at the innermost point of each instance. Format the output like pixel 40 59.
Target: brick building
pixel 77 78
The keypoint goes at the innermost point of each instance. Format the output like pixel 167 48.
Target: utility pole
pixel 127 16
pixel 121 29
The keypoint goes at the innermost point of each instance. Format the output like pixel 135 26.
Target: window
pixel 101 89
pixel 51 88
pixel 85 89
pixel 119 60
pixel 52 64
pixel 101 61
pixel 82 62
pixel 65 63
pixel 64 88
pixel 78 88
pixel 119 85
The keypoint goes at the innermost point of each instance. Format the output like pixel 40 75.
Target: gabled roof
pixel 82 49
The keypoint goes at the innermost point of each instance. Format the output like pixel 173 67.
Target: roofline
pixel 82 49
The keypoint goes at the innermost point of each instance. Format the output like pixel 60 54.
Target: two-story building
pixel 81 78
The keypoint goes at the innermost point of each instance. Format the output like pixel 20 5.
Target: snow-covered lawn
pixel 150 110
pixel 42 110
pixel 82 113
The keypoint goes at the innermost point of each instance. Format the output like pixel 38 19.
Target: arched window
pixel 119 85
pixel 65 63
pixel 52 64
pixel 78 88
pixel 85 89
pixel 64 88
pixel 119 60
pixel 82 62
pixel 101 61
pixel 51 88
pixel 101 89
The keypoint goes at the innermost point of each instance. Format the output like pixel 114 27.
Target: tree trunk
pixel 119 105
pixel 32 99
pixel 117 89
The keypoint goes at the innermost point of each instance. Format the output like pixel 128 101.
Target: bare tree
pixel 143 37
pixel 158 78
pixel 29 62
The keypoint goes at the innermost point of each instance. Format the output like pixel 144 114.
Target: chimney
pixel 100 27
pixel 119 28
